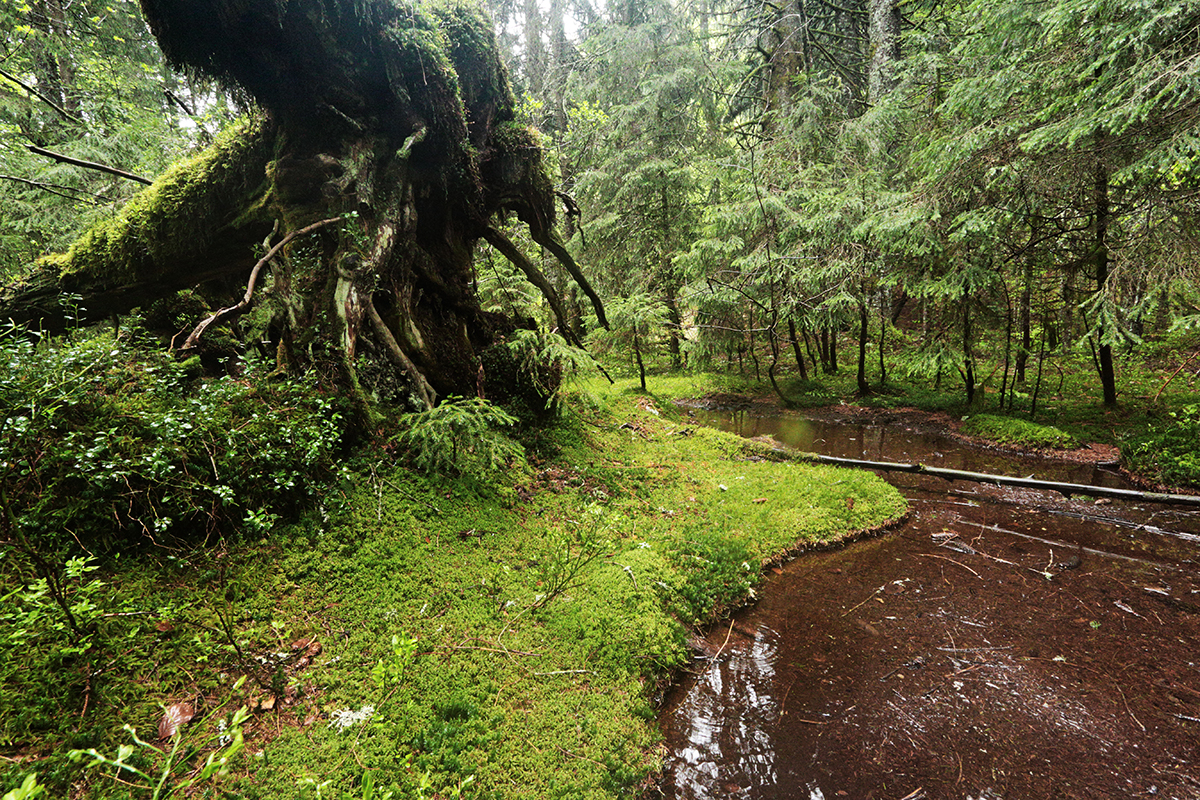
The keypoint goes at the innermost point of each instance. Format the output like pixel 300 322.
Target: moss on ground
pixel 1018 432
pixel 466 643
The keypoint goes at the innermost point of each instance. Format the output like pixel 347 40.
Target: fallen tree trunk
pixel 1066 489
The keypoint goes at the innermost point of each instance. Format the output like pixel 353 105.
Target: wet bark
pixel 864 388
pixel 796 350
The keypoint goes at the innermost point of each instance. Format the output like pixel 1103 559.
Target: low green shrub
pixel 1014 431
pixel 1169 451
pixel 103 440
pixel 460 436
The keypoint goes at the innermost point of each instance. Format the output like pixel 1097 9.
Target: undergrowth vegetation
pixel 1169 450
pixel 1016 431
pixel 343 623
pixel 104 441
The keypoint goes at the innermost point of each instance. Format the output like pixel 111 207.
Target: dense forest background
pixel 925 186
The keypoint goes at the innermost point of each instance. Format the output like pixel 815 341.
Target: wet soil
pixel 1001 644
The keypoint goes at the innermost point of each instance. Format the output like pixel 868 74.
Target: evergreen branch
pixel 78 162
pixel 67 115
pixel 52 187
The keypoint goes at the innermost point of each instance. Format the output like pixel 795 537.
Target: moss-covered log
pixel 396 117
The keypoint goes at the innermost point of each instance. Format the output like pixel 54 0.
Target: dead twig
pixel 722 647
pixel 244 303
pixel 864 602
pixel 952 561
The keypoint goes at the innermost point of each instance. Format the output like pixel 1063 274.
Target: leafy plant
pixel 28 790
pixel 1169 451
pixel 388 672
pixel 227 736
pixel 567 553
pixel 459 436
pixel 103 439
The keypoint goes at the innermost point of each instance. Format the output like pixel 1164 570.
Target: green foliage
pixel 1015 431
pixel 459 437
pixel 1170 450
pixel 104 440
pixel 56 614
pixel 389 671
pixel 176 771
pixel 566 554
pixel 716 572
pixel 28 790
pixel 547 361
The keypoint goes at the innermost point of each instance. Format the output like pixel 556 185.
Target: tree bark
pixel 1108 379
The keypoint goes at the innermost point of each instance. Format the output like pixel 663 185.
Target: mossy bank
pixel 494 638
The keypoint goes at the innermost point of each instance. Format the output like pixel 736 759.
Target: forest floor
pixel 1001 643
pixel 502 636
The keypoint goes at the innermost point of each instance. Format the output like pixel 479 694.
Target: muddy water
pixel 1002 644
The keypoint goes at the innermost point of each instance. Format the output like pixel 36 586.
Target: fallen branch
pixel 79 162
pixel 1065 489
pixel 244 303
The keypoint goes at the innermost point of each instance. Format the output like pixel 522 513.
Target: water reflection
pixel 732 710
pixel 898 667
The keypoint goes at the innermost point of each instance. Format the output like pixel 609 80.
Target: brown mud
pixel 1002 643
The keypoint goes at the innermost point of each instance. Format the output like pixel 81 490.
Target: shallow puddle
pixel 1002 644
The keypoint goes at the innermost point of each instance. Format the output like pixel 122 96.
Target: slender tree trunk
pixel 637 355
pixel 864 388
pixel 833 363
pixel 1026 304
pixel 1037 384
pixel 753 354
pixel 796 349
pixel 883 317
pixel 808 346
pixel 1108 379
pixel 968 356
pixel 1008 332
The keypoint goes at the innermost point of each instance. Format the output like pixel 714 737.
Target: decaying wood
pixel 1066 489
pixel 239 307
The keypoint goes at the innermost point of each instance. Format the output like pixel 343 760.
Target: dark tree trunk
pixel 637 355
pixel 968 355
pixel 864 388
pixel 796 350
pixel 1108 379
pixel 1025 310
